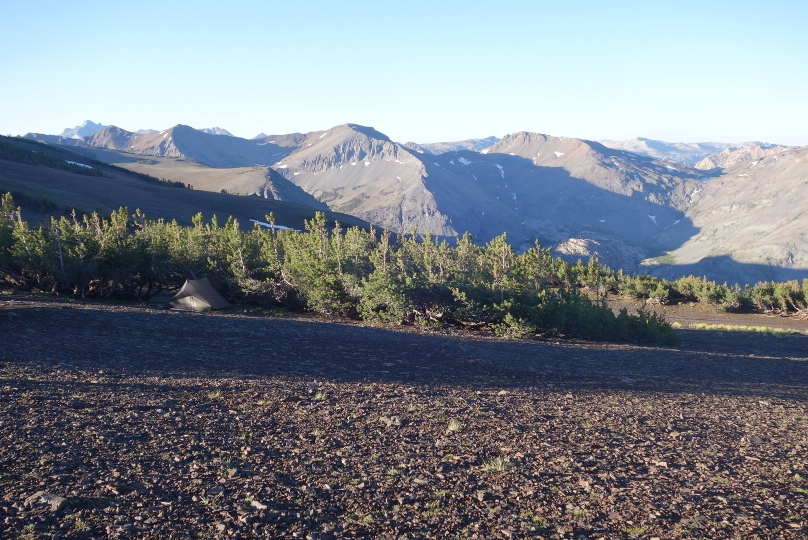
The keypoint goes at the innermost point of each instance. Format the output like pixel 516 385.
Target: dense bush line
pixel 358 273
pixel 766 296
pixel 325 269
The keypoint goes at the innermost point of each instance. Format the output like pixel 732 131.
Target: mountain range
pixel 639 205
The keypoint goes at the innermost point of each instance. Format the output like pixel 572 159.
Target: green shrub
pixel 414 280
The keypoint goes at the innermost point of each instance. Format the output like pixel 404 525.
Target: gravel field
pixel 135 422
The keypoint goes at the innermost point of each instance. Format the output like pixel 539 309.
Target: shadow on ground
pixel 152 342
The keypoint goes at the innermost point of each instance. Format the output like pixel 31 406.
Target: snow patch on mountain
pixel 79 164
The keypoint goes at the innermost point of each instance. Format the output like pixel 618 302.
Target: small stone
pixel 391 421
pixel 218 490
pixel 56 502
pixel 258 505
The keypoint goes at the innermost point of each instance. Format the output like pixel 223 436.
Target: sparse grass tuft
pixel 739 328
pixel 497 464
pixel 454 425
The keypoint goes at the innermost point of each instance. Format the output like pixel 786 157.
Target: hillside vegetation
pixel 356 273
pixel 329 271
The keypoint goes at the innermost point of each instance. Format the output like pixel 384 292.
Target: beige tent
pixel 198 295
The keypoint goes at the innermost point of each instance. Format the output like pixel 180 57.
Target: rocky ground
pixel 130 421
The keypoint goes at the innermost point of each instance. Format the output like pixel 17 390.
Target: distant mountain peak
pixel 216 131
pixel 688 153
pixel 416 147
pixel 475 145
pixel 86 128
pixel 260 135
pixel 368 131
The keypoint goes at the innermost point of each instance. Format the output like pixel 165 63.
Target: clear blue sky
pixel 424 71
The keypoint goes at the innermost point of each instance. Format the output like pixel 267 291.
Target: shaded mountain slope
pixel 90 193
pixel 260 181
pixel 528 185
pixel 753 215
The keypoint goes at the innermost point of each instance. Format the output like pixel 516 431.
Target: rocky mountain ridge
pixel 732 156
pixel 582 197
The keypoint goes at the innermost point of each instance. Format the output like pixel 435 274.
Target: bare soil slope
pixel 259 181
pixel 89 193
pixel 154 424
